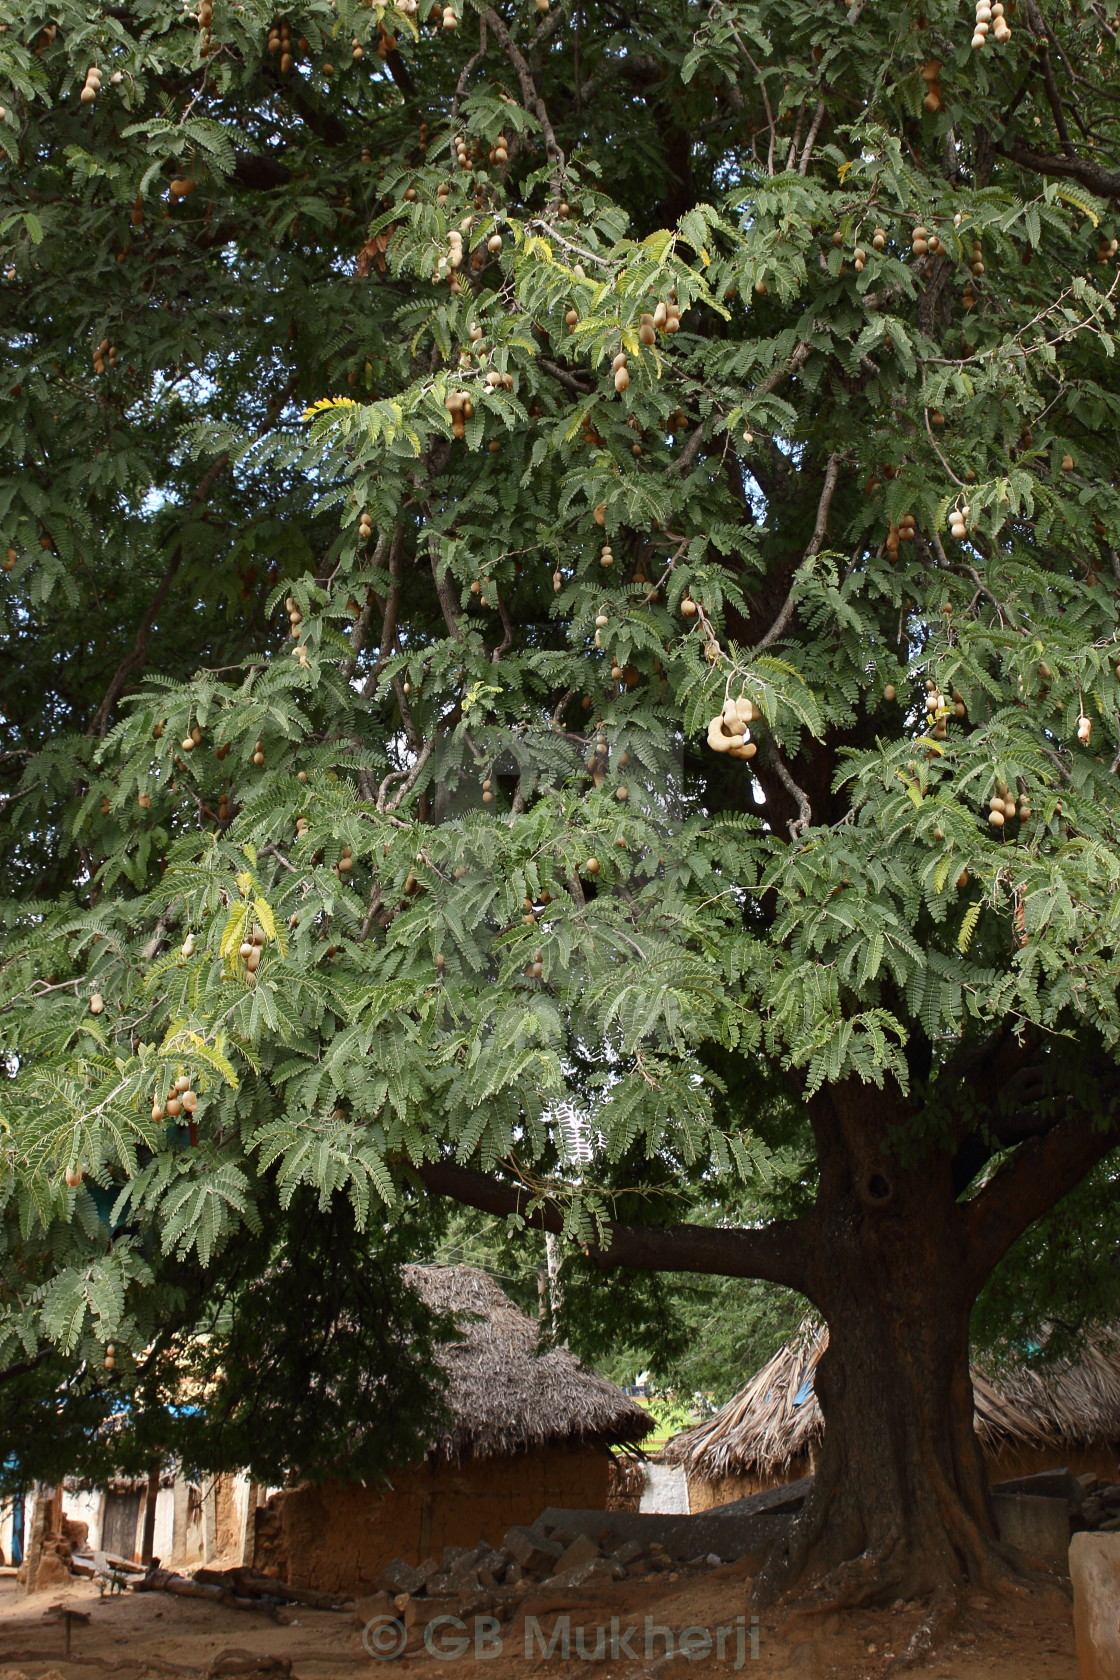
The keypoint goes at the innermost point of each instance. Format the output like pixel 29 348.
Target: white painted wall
pixel 165 1522
pixel 86 1506
pixel 666 1490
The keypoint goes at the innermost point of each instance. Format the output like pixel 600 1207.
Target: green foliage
pixel 226 413
pixel 300 1353
pixel 321 1366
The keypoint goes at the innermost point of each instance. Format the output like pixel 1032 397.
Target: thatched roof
pixel 503 1394
pixel 774 1420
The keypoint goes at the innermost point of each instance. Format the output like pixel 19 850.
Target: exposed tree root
pixel 932 1631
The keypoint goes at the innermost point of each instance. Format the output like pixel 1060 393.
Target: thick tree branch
pixel 796 362
pixel 1038 1175
pixel 307 105
pixel 1091 175
pixel 568 380
pixel 688 454
pixel 260 173
pixel 23 1366
pixel 443 591
pixel 773 1251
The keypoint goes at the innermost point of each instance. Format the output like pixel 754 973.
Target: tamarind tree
pixel 560 611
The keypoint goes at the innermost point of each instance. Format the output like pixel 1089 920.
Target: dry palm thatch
pixel 772 1422
pixel 504 1394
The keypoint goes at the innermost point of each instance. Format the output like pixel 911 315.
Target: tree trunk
pixel 893 1260
pixel 900 1506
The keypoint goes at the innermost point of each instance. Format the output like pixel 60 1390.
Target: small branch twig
pixel 136 656
pixel 765 100
pixel 804 818
pixel 403 780
pixel 468 70
pixel 389 615
pixel 807 154
pixel 532 98
pixel 361 625
pixel 506 642
pixel 816 541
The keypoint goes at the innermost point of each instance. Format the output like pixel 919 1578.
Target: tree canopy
pixel 560 613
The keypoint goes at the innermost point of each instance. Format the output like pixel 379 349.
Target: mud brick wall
pixel 338 1536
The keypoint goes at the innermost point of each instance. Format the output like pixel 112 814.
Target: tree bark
pixel 900 1506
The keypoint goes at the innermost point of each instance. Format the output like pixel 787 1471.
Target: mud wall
pixel 338 1536
pixel 1103 1462
pixel 1006 1466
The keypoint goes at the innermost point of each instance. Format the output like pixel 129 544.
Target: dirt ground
pixel 138 1634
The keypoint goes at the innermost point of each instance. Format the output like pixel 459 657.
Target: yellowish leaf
pixel 234 930
pixel 325 403
pixel 263 912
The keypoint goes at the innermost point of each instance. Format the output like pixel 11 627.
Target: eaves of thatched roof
pixel 774 1420
pixel 505 1395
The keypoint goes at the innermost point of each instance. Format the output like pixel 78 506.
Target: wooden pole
pixel 149 1542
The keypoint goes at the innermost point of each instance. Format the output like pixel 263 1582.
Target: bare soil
pixel 140 1634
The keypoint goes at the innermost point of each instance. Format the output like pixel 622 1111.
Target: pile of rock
pixel 489 1580
pixel 1100 1505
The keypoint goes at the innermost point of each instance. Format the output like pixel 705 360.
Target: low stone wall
pixel 338 1536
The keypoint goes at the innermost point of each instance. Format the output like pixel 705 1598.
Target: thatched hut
pixel 1027 1419
pixel 528 1429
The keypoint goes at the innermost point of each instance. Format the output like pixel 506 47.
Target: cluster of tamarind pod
pixel 179 1100
pixel 728 731
pixel 905 531
pixel 990 16
pixel 250 953
pixel 1002 806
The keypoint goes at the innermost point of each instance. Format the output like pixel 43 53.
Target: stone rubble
pixel 495 1580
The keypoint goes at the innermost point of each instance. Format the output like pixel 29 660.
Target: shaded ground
pixel 146 1633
